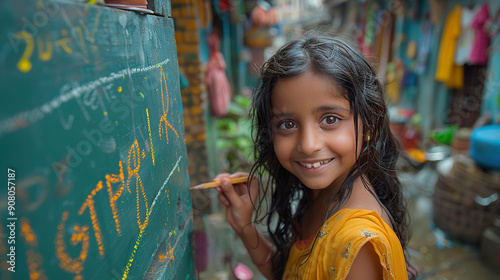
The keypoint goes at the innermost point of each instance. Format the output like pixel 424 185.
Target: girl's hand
pixel 239 200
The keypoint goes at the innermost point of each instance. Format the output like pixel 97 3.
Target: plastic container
pixel 484 146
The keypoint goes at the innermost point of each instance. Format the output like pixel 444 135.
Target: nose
pixel 309 140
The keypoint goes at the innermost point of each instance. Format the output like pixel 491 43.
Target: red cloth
pixel 478 55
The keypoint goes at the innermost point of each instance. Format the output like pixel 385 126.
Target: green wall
pixel 91 134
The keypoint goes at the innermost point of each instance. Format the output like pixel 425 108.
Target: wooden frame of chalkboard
pixel 91 127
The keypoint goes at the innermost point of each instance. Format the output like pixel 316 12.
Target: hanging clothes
pixel 447 71
pixel 466 38
pixel 218 86
pixel 478 54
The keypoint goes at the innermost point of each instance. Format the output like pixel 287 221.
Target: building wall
pixel 194 95
pixel 189 17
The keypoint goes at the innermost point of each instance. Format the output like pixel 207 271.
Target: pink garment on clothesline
pixel 478 54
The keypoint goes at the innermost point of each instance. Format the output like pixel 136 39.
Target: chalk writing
pixel 165 111
pixel 24 64
pixel 150 210
pixel 88 35
pixel 61 170
pixel 82 167
pixel 169 254
pixel 80 235
pixel 34 259
pixel 113 196
pixel 82 42
pixel 89 203
pixel 36 184
pixel 134 161
pixel 45 47
pixel 132 255
pixel 63 43
pixel 44 53
pixel 71 92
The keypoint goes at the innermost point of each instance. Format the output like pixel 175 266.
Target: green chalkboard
pixel 91 144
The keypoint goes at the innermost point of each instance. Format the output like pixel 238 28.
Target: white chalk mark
pixel 141 232
pixel 82 108
pixel 163 186
pixel 32 116
pixel 66 124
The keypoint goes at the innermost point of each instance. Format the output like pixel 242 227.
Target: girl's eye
pixel 284 125
pixel 329 120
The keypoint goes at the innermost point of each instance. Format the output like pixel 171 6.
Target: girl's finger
pixel 221 176
pixel 241 189
pixel 239 174
pixel 229 192
pixel 223 199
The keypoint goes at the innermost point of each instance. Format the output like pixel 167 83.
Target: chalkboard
pixel 91 144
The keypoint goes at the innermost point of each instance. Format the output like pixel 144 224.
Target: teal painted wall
pixel 91 132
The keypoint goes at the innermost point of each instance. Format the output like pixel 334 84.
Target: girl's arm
pixel 366 265
pixel 260 250
pixel 238 200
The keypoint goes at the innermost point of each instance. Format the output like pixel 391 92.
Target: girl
pixel 326 154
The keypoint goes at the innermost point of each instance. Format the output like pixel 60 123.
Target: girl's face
pixel 313 130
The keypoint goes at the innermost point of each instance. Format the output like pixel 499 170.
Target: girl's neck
pixel 322 196
pixel 360 198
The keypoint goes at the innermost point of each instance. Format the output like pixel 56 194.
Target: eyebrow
pixel 332 108
pixel 280 115
pixel 319 109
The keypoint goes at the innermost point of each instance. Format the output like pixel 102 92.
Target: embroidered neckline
pixel 303 244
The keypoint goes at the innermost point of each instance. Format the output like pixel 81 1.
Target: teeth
pixel 314 165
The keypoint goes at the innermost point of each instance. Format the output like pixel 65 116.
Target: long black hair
pixel 333 58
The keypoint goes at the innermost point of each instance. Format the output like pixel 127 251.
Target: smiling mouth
pixel 315 164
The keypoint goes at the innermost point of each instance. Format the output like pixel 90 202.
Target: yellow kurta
pixel 338 243
pixel 447 71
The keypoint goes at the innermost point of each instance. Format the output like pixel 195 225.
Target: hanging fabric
pixel 466 38
pixel 218 86
pixel 478 54
pixel 447 71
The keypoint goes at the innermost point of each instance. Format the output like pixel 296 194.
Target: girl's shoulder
pixel 338 243
pixel 362 199
pixel 346 232
pixel 349 223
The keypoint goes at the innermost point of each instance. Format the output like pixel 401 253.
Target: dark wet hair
pixel 333 58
